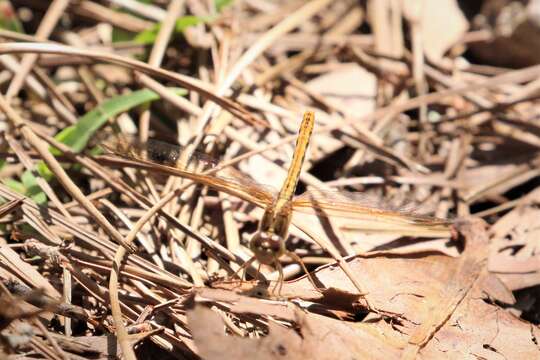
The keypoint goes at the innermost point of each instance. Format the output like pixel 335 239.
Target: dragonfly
pixel 367 213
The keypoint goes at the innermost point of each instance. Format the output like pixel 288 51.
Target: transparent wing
pixel 370 214
pixel 163 158
pixel 159 152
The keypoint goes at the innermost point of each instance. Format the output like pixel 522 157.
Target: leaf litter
pixel 415 104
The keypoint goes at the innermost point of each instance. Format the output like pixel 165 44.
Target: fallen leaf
pixel 439 302
pixel 314 337
pixel 443 24
pixel 515 245
pixel 349 88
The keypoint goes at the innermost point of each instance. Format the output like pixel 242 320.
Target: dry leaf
pixel 349 88
pixel 515 247
pixel 313 337
pixel 443 24
pixel 440 301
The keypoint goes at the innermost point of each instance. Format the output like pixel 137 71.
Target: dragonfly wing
pixel 367 213
pixel 168 159
pixel 158 152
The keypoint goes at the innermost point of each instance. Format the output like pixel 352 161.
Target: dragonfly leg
pixel 258 271
pixel 299 261
pixel 241 272
pixel 279 282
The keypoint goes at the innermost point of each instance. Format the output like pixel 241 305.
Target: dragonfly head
pixel 267 247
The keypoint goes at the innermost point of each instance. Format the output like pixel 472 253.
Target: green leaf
pixel 32 189
pixel 148 37
pixel 77 136
pixel 8 18
pixel 186 21
pixel 28 187
pixel 220 4
pixel 15 185
pixel 121 35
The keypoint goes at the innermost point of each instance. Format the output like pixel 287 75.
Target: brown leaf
pixel 315 337
pixel 515 245
pixel 442 301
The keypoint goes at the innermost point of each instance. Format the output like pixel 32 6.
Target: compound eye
pixel 259 241
pixel 275 243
